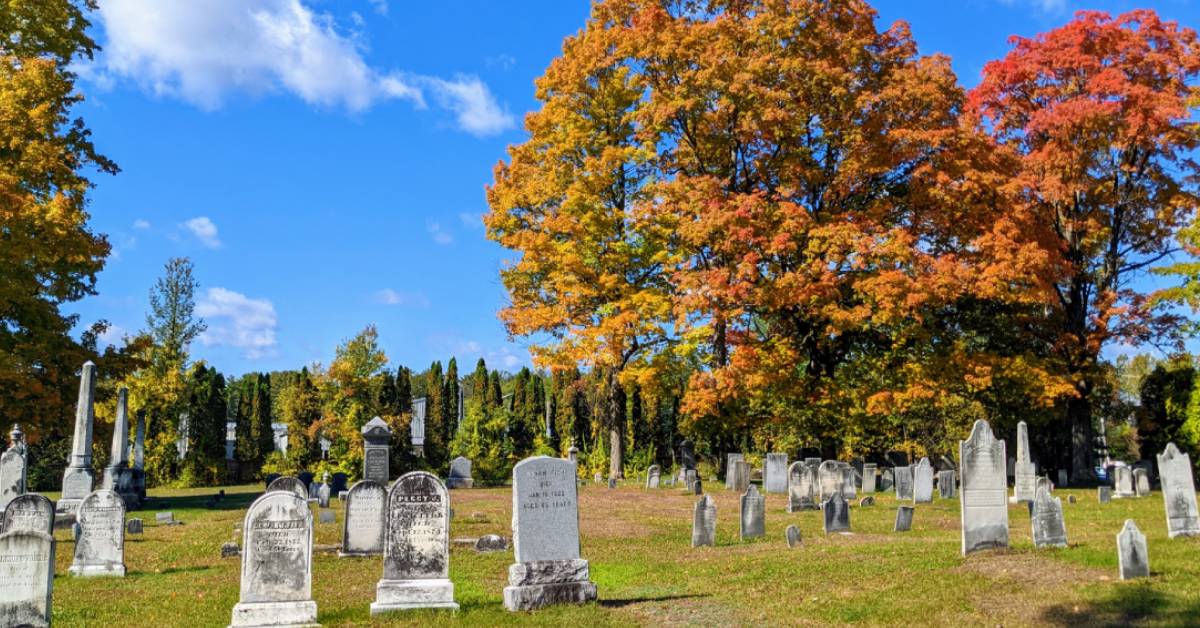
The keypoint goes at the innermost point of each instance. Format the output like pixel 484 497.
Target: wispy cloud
pixel 476 109
pixel 387 296
pixel 441 236
pixel 471 220
pixel 381 6
pixel 235 320
pixel 114 335
pixel 205 231
pixel 142 224
pixel 1042 6
pixel 502 61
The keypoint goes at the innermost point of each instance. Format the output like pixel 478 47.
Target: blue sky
pixel 323 162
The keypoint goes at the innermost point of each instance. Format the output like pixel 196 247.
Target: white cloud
pixel 387 296
pixel 1043 6
pixel 502 61
pixel 439 235
pixel 471 220
pixel 204 230
pixel 235 320
pixel 141 223
pixel 114 335
pixel 204 52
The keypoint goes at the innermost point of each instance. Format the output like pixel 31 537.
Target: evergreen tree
pixel 479 386
pixel 403 390
pixel 495 392
pixel 206 404
pixel 519 431
pixel 436 445
pixel 246 449
pixel 387 400
pixel 262 418
pixel 172 322
pixel 450 401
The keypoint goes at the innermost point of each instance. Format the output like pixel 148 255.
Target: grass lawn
pixel 638 545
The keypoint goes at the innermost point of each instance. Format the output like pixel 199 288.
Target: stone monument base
pixel 459 482
pixel 97 571
pixel 402 595
pixel 253 614
pixel 537 584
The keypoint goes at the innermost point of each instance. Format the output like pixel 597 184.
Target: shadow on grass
pixel 231 501
pixel 661 598
pixel 1126 605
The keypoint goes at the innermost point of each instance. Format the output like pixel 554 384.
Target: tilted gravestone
pixel 946 482
pixel 416 548
pixel 704 522
pixel 983 495
pixel 729 460
pixel 802 487
pixel 1179 492
pixel 904 482
pixel 829 479
pixel 653 476
pixel 1141 482
pixel 289 484
pixel 1123 487
pixel 923 482
pixel 792 534
pixel 837 513
pixel 276 578
pixel 868 478
pixel 29 512
pixel 740 476
pixel 904 518
pixel 26 577
pixel 1104 494
pixel 775 473
pixel 100 550
pixel 460 473
pixel 135 526
pixel 548 568
pixel 754 508
pixel 78 477
pixel 1133 561
pixel 1049 530
pixel 377 439
pixel 1024 471
pixel 363 523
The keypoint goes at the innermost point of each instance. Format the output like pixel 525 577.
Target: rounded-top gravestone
pixel 26 577
pixel 100 550
pixel 363 525
pixel 416 548
pixel 30 511
pixel 289 484
pixel 276 581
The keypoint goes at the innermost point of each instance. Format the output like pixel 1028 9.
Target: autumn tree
pixel 1099 113
pixel 350 392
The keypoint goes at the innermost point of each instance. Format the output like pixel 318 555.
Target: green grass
pixel 638 544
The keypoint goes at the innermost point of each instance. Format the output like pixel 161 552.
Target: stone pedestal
pixel 546 582
pixel 401 595
pixel 253 614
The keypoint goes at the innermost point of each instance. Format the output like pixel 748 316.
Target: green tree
pixel 204 464
pixel 435 417
pixel 450 401
pixel 172 320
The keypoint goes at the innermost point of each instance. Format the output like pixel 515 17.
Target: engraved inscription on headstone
pixel 837 513
pixel 416 551
pixel 30 511
pixel 377 438
pixel 26 578
pixel 1047 520
pixel 904 482
pixel 276 580
pixel 775 473
pixel 923 482
pixel 983 495
pixel 363 523
pixel 754 507
pixel 904 518
pixel 704 522
pixel 100 550
pixel 1179 492
pixel 1132 559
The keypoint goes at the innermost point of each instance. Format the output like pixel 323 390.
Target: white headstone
pixel 1124 484
pixel 78 477
pixel 363 524
pixel 868 478
pixel 802 487
pixel 276 585
pixel 1049 530
pixel 775 473
pixel 1133 561
pixel 100 550
pixel 923 482
pixel 1179 492
pixel 1024 472
pixel 904 482
pixel 753 514
pixel 984 491
pixel 829 479
pixel 416 551
pixel 29 512
pixel 26 578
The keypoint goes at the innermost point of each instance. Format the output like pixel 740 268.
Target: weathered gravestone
pixel 363 526
pixel 326 516
pixel 291 485
pixel 740 475
pixel 697 486
pixel 100 549
pixel 653 476
pixel 868 478
pixel 276 581
pixel 904 482
pixel 1062 477
pixel 946 484
pixel 323 492
pixel 848 478
pixel 869 500
pixel 548 568
pixel 904 517
pixel 377 439
pixel 923 482
pixel 775 473
pixel 1123 487
pixel 312 491
pixel 887 479
pixel 837 513
pixel 829 479
pixel 1049 530
pixel 690 479
pixel 792 534
pixel 730 459
pixel 1141 482
pixel 1179 492
pixel 135 526
pixel 704 522
pixel 1104 494
pixel 26 578
pixel 416 549
pixel 29 512
pixel 460 473
pixel 12 474
pixel 491 543
pixel 802 488
pixel 78 477
pixel 754 508
pixel 1133 561
pixel 1024 471
pixel 983 495
pixel 165 518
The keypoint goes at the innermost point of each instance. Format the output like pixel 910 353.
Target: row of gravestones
pixel 409 524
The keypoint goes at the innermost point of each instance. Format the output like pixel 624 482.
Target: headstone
pixel 730 459
pixel 775 473
pixel 837 513
pixel 946 485
pixel 1062 477
pixel 740 475
pixel 30 511
pixel 868 478
pixel 276 579
pixel 26 578
pixel 1179 492
pixel 323 493
pixel 1047 520
pixel 139 450
pixel 612 482
pixel 984 493
pixel 1104 494
pixel 12 475
pixel 704 522
pixel 793 536
pixel 134 526
pixel 1124 483
pixel 164 518
pixel 377 439
pixel 869 500
pixel 697 486
pixel 548 568
pixel 1133 561
pixel 848 479
pixel 312 491
pixel 460 474
pixel 78 477
pixel 690 478
pixel 887 479
pixel 230 550
pixel 416 554
pixel 1025 474
pixel 1070 499
pixel 270 479
pixel 653 476
pixel 291 485
pixel 829 479
pixel 1141 482
pixel 802 488
pixel 923 482
pixel 326 516
pixel 904 482
pixel 100 550
pixel 363 526
pixel 904 517
pixel 754 508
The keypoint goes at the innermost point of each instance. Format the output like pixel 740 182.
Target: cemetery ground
pixel 637 542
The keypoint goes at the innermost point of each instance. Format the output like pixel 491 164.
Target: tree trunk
pixel 616 425
pixel 1079 413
